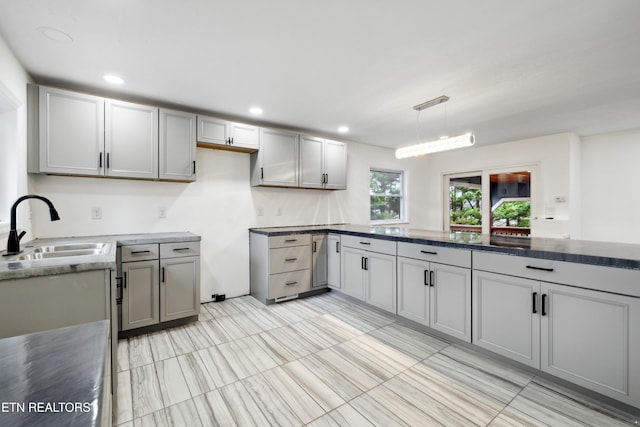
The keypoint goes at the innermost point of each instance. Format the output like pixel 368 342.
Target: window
pixel 465 203
pixel 386 190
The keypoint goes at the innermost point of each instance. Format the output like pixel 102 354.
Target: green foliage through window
pixel 465 205
pixel 513 214
pixel 385 190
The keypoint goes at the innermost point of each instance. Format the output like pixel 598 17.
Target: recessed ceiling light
pixel 255 110
pixel 55 35
pixel 343 129
pixel 113 79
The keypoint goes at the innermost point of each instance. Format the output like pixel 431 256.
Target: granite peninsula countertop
pixel 55 377
pixel 10 268
pixel 610 254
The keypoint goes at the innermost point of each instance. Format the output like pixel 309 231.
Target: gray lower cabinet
pixel 435 294
pixel 280 266
pixel 179 281
pixel 333 260
pixel 587 337
pixel 367 274
pixel 160 282
pixel 319 261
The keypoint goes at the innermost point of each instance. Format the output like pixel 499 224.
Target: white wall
pixel 610 200
pixel 220 206
pixel 551 153
pixel 13 146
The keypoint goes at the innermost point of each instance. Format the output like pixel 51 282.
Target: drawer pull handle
pixel 365 243
pixel 429 252
pixel 139 252
pixel 432 280
pixel 291 259
pixel 291 240
pixel 314 247
pixel 181 249
pixel 291 283
pixel 533 303
pixel 338 247
pixel 426 277
pixel 544 304
pixel 533 267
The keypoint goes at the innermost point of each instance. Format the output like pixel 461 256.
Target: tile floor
pixel 325 361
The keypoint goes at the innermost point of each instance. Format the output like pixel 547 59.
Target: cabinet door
pixel 179 288
pixel 592 339
pixel 381 281
pixel 413 290
pixel 311 162
pixel 319 266
pixel 140 299
pixel 278 158
pixel 244 136
pixel 352 272
pixel 506 316
pixel 177 145
pixel 450 301
pixel 131 140
pixel 213 131
pixel 335 165
pixel 333 260
pixel 71 132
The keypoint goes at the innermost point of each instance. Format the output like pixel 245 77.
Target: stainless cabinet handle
pixel 429 252
pixel 533 267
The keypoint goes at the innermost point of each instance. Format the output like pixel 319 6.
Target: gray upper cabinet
pixel 131 140
pixel 177 149
pixel 322 163
pixel 218 133
pixel 66 132
pixel 276 163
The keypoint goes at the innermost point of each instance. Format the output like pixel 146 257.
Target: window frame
pixel 403 196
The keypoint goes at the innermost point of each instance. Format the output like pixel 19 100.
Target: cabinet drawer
pixel 140 252
pixel 600 278
pixel 439 254
pixel 291 283
pixel 374 245
pixel 289 259
pixel 289 240
pixel 179 249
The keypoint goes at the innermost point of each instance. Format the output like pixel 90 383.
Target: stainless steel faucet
pixel 13 243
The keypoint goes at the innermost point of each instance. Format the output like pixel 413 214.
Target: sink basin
pixel 72 247
pixel 64 250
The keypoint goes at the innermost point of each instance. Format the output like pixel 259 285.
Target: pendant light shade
pixel 466 140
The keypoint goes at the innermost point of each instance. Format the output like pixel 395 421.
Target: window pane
pixel 465 204
pixel 511 203
pixel 385 183
pixel 385 208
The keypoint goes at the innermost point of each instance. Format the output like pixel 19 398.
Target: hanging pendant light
pixel 442 144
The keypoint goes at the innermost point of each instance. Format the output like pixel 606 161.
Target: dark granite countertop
pixel 54 378
pixel 610 254
pixel 10 268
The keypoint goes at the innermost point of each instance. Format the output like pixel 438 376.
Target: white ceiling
pixel 513 69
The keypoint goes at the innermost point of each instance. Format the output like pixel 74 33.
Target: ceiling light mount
pixel 431 103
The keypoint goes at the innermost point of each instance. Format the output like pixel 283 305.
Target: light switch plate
pixel 162 212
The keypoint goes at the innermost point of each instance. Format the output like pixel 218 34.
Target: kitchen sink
pixel 64 250
pixel 72 247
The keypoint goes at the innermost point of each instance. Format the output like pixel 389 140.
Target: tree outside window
pixel 386 195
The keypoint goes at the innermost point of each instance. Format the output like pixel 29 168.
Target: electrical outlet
pixel 162 212
pixel 96 212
